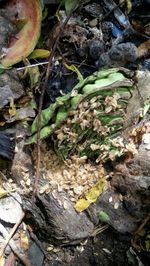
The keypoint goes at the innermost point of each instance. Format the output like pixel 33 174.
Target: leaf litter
pixel 86 140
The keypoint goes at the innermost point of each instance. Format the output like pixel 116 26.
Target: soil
pixel 107 248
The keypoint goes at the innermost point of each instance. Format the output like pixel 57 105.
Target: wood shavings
pixel 74 176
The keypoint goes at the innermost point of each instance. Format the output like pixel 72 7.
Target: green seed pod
pixel 46 116
pixel 75 101
pixel 49 112
pixel 97 75
pixel 61 115
pixel 45 132
pixel 111 78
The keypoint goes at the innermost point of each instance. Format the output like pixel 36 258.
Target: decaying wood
pixel 67 226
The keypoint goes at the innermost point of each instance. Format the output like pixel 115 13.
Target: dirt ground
pixel 107 248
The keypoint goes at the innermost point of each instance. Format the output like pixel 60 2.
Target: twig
pixel 41 102
pixel 33 65
pixel 9 236
pixel 23 258
pixel 46 63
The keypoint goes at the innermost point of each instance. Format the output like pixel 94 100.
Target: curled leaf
pixel 29 15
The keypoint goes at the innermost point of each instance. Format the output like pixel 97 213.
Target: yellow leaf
pixel 3 193
pixel 81 205
pixel 2 124
pixel 91 196
pixel 95 191
pixel 12 108
pixel 74 69
pixel 2 261
pixel 24 240
pixel 39 53
pixel 129 6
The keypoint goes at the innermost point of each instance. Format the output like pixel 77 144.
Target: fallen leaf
pixel 2 261
pixel 3 193
pixel 91 196
pixel 39 53
pixel 24 241
pixel 28 13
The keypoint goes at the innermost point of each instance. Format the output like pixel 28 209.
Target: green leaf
pixel 147 243
pixel 104 217
pixel 42 4
pixel 48 113
pixel 34 76
pixel 70 5
pixel 74 69
pixel 39 53
pixel 2 68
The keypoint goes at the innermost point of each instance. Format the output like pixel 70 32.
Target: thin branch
pixel 9 236
pixel 18 252
pixel 48 72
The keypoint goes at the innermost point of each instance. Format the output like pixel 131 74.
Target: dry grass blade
pixel 99 229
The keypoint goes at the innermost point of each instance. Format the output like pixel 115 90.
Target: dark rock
pixel 104 61
pixel 123 52
pixel 118 55
pixel 35 254
pixel 10 86
pixel 94 10
pixel 65 224
pixel 96 48
pixel 119 218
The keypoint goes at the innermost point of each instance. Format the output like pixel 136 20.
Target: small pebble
pixel 93 23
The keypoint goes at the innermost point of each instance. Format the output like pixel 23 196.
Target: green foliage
pixel 104 217
pixel 71 5
pixel 110 88
pixel 2 69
